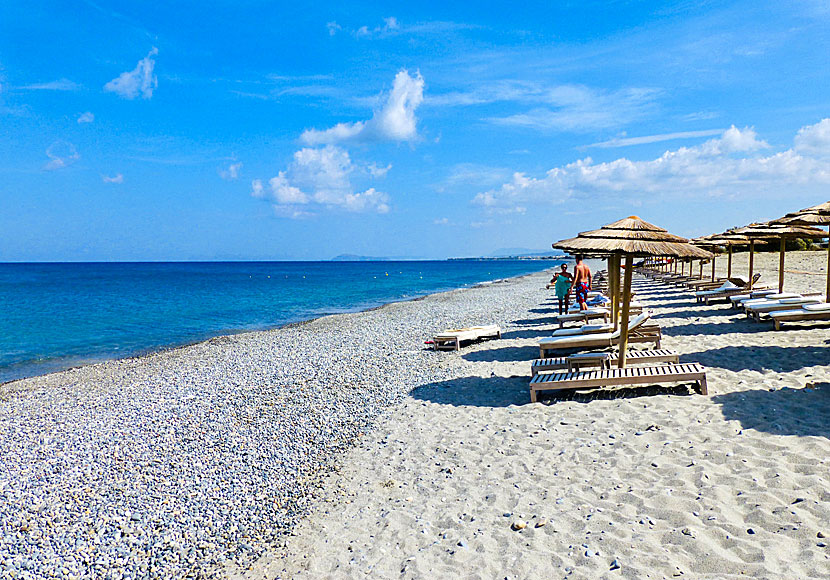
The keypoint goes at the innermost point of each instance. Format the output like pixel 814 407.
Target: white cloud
pixel 61 154
pixel 392 27
pixel 85 118
pixel 119 178
pixel 377 172
pixel 580 108
pixel 320 178
pixel 58 85
pixel 395 121
pixel 441 221
pixel 627 141
pixel 284 193
pixel 814 139
pixel 139 81
pixel 726 165
pixel 232 172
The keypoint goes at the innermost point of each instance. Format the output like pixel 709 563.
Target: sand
pixel 466 478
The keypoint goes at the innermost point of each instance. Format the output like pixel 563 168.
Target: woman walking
pixel 562 288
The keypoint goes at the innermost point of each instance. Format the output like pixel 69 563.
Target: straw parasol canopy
pixel 816 215
pixel 770 231
pixel 630 237
pixel 725 239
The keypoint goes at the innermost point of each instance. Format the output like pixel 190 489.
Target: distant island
pixel 358 258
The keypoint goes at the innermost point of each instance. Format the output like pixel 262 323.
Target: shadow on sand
pixel 529 333
pixel 742 325
pixel 504 391
pixel 780 359
pixel 800 412
pixel 700 313
pixel 506 354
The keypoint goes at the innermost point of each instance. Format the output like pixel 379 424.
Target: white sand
pixel 659 481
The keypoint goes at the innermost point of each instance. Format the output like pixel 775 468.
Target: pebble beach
pixel 345 447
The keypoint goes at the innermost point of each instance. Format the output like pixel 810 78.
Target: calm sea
pixel 54 316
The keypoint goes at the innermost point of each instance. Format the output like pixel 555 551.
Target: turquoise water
pixel 54 316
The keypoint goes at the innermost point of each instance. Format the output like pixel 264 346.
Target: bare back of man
pixel 582 282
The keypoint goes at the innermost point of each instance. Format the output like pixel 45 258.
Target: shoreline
pixel 149 351
pixel 215 448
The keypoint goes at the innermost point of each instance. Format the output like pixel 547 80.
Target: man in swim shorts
pixel 582 282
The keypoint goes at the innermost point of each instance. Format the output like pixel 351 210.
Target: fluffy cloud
pixel 232 172
pixel 319 178
pixel 61 154
pixel 395 121
pixel 726 165
pixel 85 118
pixel 814 139
pixel 119 178
pixel 139 81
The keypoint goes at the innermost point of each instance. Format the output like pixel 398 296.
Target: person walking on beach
pixel 562 288
pixel 582 282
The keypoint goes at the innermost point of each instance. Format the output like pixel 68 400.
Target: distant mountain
pixel 356 258
pixel 507 252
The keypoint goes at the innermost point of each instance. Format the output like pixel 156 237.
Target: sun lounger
pixel 757 309
pixel 452 339
pixel 583 316
pixel 737 299
pixel 638 375
pixel 727 289
pixel 636 334
pixel 808 312
pixel 794 297
pixel 663 355
pixel 584 329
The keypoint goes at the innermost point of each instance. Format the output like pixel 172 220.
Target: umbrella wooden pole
pixel 751 259
pixel 781 265
pixel 713 268
pixel 729 262
pixel 614 275
pixel 700 271
pixel 626 305
pixel 828 266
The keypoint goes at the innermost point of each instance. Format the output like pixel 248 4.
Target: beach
pixel 346 448
pixel 465 477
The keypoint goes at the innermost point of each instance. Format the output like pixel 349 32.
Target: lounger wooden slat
pixel 798 315
pixel 688 372
pixel 664 355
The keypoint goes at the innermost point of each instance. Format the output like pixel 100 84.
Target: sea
pixel 55 316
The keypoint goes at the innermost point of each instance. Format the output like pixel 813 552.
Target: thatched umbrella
pixel 715 240
pixel 770 231
pixel 818 215
pixel 630 237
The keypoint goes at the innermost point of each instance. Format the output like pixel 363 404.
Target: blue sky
pixel 276 130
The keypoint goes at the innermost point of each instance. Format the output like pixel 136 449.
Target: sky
pixel 262 130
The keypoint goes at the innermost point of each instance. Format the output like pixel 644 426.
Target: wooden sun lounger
pixel 583 316
pixel 798 315
pixel 649 334
pixel 658 374
pixel 755 311
pixel 452 339
pixel 738 299
pixel 664 355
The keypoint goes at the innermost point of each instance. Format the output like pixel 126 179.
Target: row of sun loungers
pixel 592 369
pixel 758 303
